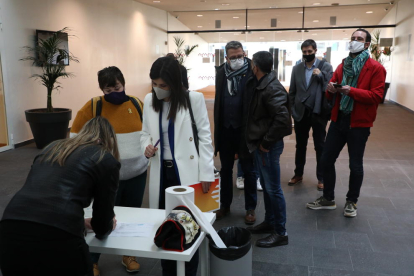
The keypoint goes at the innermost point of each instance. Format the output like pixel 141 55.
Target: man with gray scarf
pixel 309 108
pixel 229 139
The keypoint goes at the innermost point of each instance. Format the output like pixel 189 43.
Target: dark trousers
pixel 229 147
pixel 302 129
pixel 268 165
pixel 130 194
pixel 169 268
pixel 355 139
pixel 28 248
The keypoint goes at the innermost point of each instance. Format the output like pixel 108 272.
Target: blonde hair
pixel 97 131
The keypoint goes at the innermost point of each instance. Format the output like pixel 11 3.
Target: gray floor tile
pixel 358 241
pixel 342 224
pixel 332 258
pixel 268 269
pixel 290 254
pixel 388 263
pixel 316 271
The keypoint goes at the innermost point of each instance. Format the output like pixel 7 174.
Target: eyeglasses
pixel 360 39
pixel 236 57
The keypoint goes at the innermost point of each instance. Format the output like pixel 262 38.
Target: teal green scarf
pixel 352 69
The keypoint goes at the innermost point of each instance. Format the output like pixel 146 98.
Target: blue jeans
pixel 268 165
pixel 356 139
pixel 240 172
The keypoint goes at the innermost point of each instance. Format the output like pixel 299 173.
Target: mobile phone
pixel 337 85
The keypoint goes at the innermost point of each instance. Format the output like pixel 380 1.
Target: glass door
pixel 4 141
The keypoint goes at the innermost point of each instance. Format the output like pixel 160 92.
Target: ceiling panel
pixel 203 5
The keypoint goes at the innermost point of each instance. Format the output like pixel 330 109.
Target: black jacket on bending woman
pixel 55 195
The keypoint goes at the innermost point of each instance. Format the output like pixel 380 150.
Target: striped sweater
pixel 127 124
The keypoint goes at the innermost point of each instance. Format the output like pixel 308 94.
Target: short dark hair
pixel 170 55
pixel 233 45
pixel 168 69
pixel 368 38
pixel 108 76
pixel 264 61
pixel 307 43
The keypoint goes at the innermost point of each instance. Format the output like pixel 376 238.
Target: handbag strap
pixel 193 123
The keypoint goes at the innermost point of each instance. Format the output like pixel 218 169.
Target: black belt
pixel 168 163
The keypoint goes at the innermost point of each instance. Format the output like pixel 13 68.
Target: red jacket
pixel 367 95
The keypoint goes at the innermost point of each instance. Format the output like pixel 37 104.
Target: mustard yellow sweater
pixel 127 124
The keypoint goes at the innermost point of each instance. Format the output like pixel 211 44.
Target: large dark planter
pixel 387 85
pixel 48 127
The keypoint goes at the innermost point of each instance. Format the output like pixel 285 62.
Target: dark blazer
pixel 269 113
pixel 218 121
pixel 299 92
pixel 55 195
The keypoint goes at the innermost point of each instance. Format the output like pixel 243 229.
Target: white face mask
pixel 356 46
pixel 236 64
pixel 161 93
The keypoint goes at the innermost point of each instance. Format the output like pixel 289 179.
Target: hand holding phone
pixel 337 85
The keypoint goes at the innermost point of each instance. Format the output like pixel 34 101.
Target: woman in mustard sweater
pixel 125 115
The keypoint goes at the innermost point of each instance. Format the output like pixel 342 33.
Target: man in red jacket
pixel 356 89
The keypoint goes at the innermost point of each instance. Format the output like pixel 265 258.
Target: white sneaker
pixel 259 187
pixel 240 183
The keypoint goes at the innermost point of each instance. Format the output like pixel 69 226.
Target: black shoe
pixel 221 213
pixel 262 228
pixel 273 240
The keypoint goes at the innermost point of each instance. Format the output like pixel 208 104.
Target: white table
pixel 144 246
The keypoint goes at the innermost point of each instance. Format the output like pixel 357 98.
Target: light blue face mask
pixel 161 93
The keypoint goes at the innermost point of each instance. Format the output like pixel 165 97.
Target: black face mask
pixel 116 97
pixel 309 58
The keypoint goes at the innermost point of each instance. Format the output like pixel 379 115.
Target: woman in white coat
pixel 168 140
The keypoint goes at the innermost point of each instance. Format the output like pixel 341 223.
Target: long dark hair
pixel 168 69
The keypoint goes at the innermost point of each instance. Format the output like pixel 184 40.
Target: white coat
pixel 191 167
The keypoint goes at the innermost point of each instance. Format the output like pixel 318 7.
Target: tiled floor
pixel 378 242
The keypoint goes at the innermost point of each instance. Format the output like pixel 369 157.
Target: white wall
pixel 200 74
pixel 122 33
pixel 402 84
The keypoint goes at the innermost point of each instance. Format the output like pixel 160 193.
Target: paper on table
pixel 124 229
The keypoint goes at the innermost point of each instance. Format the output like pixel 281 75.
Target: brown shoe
pixel 320 186
pixel 295 180
pixel 130 263
pixel 221 213
pixel 96 271
pixel 250 217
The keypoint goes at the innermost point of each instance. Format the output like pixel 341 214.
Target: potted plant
pixel 181 53
pixel 376 54
pixel 49 124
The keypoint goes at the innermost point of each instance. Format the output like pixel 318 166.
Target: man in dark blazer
pixel 309 107
pixel 229 124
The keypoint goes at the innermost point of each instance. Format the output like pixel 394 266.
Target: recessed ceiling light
pixel 370 12
pixel 315 21
pixel 316 4
pixel 300 12
pixel 235 17
pixel 216 9
pixel 199 26
pixel 247 26
pixel 199 15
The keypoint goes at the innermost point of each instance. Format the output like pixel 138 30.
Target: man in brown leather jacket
pixel 267 123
